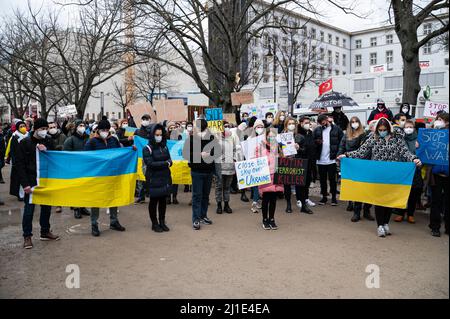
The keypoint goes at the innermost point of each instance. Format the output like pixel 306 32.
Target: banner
pixel 379 183
pixel 287 144
pixel 433 146
pixel 242 97
pixel 68 110
pixel 432 108
pixel 290 171
pixel 214 117
pixel 253 172
pixel 104 178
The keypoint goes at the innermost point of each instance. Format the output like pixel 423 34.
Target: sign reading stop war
pixel 214 117
pixel 254 172
pixel 432 108
pixel 290 171
pixel 433 146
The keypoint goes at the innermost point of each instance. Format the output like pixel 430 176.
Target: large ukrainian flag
pixel 375 182
pixel 105 178
pixel 180 171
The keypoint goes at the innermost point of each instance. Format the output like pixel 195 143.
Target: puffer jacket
pixel 336 135
pixel 272 157
pixel 97 143
pixel 156 157
pixel 75 142
pixel 349 145
pixel 229 146
pixel 58 140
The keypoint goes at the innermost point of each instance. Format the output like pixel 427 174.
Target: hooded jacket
pixel 156 157
pixel 336 135
pixel 377 114
pixel 195 145
pixel 75 142
pixel 97 143
pixel 58 139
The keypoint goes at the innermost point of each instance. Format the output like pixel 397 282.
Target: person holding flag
pixel 383 145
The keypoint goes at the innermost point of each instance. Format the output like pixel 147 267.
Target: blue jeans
pixel 27 218
pixel 95 212
pixel 201 187
pixel 255 193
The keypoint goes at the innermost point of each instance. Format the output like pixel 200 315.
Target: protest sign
pixel 214 117
pixel 68 110
pixel 139 109
pixel 433 146
pixel 249 146
pixel 250 109
pixel 253 172
pixel 287 143
pixel 432 108
pixel 267 107
pixel 171 110
pixel 230 117
pixel 242 97
pixel 290 171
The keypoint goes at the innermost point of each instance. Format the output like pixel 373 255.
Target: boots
pixel 219 208
pixel 350 207
pixel 356 217
pixel 227 208
pixel 174 200
pixel 289 207
pixel 77 213
pixel 169 199
pixel 367 215
pixel 162 224
pixel 157 228
pixel 244 197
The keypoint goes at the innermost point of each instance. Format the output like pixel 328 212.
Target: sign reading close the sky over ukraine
pixel 254 172
pixel 433 146
pixel 214 117
pixel 432 108
pixel 290 171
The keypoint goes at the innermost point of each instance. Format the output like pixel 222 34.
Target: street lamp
pixel 273 54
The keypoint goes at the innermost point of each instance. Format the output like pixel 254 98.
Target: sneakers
pixel 49 237
pixel 259 204
pixel 411 220
pixel 305 209
pixel 323 201
pixel 355 218
pixel 27 243
pixel 381 232
pixel 140 201
pixel 157 228
pixel 310 203
pixel 387 230
pixel 206 221
pixel 272 224
pixel 334 202
pixel 255 208
pixel 117 226
pixel 58 209
pixel 288 208
pixel 367 215
pixel 196 225
pixel 299 204
pixel 94 231
pixel 265 224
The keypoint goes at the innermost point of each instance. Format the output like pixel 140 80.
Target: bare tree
pixel 408 17
pixel 151 77
pixel 121 98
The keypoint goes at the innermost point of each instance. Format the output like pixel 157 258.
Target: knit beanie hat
pixel 40 122
pixel 258 122
pixel 104 125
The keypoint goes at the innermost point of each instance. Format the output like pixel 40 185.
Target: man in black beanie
pixel 26 168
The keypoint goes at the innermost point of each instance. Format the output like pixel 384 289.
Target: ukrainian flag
pixel 104 178
pixel 180 171
pixel 129 131
pixel 376 182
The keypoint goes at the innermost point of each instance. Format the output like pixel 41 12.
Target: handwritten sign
pixel 172 110
pixel 290 171
pixel 242 97
pixel 288 143
pixel 249 146
pixel 68 110
pixel 253 172
pixel 214 117
pixel 433 146
pixel 432 108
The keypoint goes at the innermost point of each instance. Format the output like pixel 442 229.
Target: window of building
pixel 432 79
pixel 389 39
pixel 304 50
pixel 265 40
pixel 313 33
pixel 344 58
pixel 363 85
pixel 322 36
pixel 314 71
pixel 305 31
pixel 255 61
pixel 255 41
pixel 336 72
pixel 358 60
pixel 330 38
pixel 265 64
pixel 275 39
pixel 313 51
pixel 337 41
pixel 446 61
pixel 344 43
pixel 330 57
pixel 373 42
pixel 322 54
pixel 329 71
pixel 322 72
pixel 427 48
pixel 255 79
pixel 427 28
pixel 393 83
pixel 344 73
pixel 358 44
pixel 266 93
pixel 337 58
pixel 283 91
pixel 389 57
pixel 373 58
pixel 265 80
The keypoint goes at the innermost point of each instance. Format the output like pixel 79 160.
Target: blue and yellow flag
pixel 375 182
pixel 105 178
pixel 180 171
pixel 129 131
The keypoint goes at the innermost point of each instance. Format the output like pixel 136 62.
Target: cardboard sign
pixel 214 117
pixel 68 110
pixel 432 108
pixel 242 97
pixel 253 172
pixel 251 109
pixel 249 146
pixel 230 118
pixel 287 143
pixel 140 108
pixel 171 110
pixel 290 171
pixel 433 146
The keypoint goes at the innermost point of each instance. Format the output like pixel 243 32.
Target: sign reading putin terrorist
pixel 290 171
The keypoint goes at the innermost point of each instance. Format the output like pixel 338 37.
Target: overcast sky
pixel 377 9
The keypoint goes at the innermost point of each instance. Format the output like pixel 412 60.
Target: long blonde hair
pixel 351 133
pixel 277 120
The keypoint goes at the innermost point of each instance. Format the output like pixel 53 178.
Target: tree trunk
pixel 411 76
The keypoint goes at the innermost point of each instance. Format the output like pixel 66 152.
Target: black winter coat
pixel 348 145
pixel 156 157
pixel 26 159
pixel 336 135
pixel 75 142
pixel 207 144
pixel 340 119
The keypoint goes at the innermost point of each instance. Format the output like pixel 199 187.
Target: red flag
pixel 326 86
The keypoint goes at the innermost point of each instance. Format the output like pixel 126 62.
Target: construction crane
pixel 129 54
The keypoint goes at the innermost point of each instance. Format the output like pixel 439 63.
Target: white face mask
pixel 81 130
pixel 227 129
pixel 269 120
pixel 104 135
pixel 307 126
pixel 259 130
pixel 53 131
pixel 189 128
pixel 402 123
pixel 409 130
pixel 291 127
pixel 145 123
pixel 158 139
pixel 183 125
pixel 42 134
pixel 439 124
pixel 282 117
pixel 124 125
pixel 355 126
pixel 405 111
